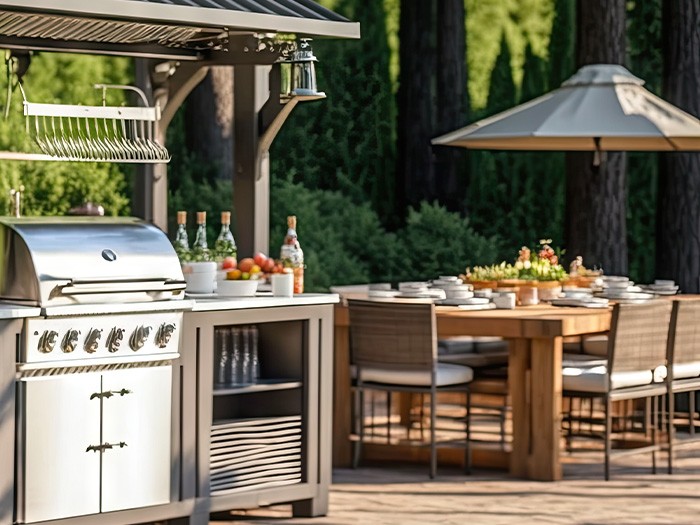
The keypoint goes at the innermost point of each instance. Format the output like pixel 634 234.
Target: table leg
pixel 519 384
pixel 342 399
pixel 546 395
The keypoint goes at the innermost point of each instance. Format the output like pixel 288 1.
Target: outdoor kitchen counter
pixel 293 388
pixel 263 300
pixel 14 311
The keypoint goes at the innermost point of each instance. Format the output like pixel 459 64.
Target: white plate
pixel 590 302
pixel 464 301
pixel 382 293
pixel 488 306
pixel 635 296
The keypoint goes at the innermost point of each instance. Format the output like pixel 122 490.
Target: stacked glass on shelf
pixel 236 359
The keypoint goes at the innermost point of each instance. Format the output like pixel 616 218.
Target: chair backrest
pixel 684 334
pixel 392 335
pixel 638 336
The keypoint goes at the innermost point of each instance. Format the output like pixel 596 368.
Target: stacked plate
pixel 248 454
pixel 621 290
pixel 455 290
pixel 661 287
pixel 419 290
pixel 586 301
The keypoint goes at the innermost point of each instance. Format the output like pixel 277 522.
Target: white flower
pixel 527 265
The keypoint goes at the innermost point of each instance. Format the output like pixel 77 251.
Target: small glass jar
pixel 528 296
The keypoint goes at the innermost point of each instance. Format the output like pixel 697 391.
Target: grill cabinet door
pixel 60 421
pixel 137 474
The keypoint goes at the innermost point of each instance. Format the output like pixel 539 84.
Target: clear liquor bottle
pixel 225 245
pixel 292 255
pixel 181 243
pixel 200 249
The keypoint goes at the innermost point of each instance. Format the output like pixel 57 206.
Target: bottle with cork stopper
pixel 292 255
pixel 200 249
pixel 225 245
pixel 181 243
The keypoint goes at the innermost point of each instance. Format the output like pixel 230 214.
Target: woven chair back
pixel 392 335
pixel 638 336
pixel 684 336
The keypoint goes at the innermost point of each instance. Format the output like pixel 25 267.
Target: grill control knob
pixel 92 341
pixel 139 337
pixel 114 339
pixel 47 341
pixel 165 332
pixel 70 341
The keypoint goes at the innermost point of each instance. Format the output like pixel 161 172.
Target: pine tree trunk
pixel 678 212
pixel 209 121
pixel 414 170
pixel 595 196
pixel 452 102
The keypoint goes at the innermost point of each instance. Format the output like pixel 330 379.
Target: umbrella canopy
pixel 601 107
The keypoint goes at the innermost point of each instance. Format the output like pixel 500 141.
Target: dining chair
pixel 393 348
pixel 684 370
pixel 635 368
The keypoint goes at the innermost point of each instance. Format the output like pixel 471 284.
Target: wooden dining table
pixel 535 335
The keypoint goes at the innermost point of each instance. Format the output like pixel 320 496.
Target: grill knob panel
pixel 47 341
pixel 139 337
pixel 165 332
pixel 114 339
pixel 92 341
pixel 70 341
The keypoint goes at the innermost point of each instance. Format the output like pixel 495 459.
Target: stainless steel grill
pixel 95 371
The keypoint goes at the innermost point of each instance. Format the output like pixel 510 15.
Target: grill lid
pixel 52 261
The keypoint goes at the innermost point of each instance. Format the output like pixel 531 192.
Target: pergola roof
pixel 140 27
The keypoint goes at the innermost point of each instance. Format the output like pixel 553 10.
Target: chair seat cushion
pixel 487 345
pixel 686 370
pixel 595 379
pixel 596 345
pixel 476 360
pixel 446 374
pixel 456 345
pixel 582 360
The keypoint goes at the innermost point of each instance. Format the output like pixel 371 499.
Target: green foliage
pixel 502 87
pixel 440 242
pixel 52 188
pixel 346 142
pixel 561 43
pixel 193 186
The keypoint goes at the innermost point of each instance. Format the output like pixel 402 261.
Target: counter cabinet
pixel 270 441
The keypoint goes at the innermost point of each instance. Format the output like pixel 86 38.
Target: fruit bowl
pixel 239 288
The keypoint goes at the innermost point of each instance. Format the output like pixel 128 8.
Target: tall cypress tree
pixel 596 226
pixel 561 43
pixel 678 224
pixel 644 34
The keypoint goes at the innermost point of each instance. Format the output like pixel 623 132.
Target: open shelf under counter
pixel 263 385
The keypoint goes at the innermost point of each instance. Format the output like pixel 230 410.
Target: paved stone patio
pixel 404 495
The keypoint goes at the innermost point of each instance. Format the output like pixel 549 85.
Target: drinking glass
pixel 222 356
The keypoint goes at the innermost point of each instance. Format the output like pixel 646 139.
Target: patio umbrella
pixel 603 107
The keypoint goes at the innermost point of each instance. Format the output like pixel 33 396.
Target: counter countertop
pixel 262 300
pixel 15 311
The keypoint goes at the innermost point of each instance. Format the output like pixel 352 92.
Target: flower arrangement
pixel 494 272
pixel 543 266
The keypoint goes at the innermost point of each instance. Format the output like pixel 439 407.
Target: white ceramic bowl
pixel 199 267
pixel 458 293
pixel 200 282
pixel 238 288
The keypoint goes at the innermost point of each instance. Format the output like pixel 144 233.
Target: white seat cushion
pixel 595 379
pixel 582 360
pixel 686 370
pixel 447 374
pixel 596 345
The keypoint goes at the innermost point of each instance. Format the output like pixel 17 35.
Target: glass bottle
pixel 292 255
pixel 181 242
pixel 200 250
pixel 225 245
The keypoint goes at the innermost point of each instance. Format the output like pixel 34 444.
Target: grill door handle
pixel 78 287
pixel 105 446
pixel 110 393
